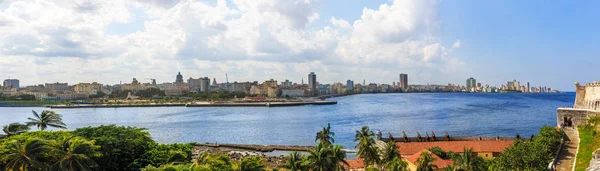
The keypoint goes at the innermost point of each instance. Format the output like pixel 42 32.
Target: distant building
pixel 88 88
pixel 272 92
pixel 403 84
pixel 57 86
pixel 135 86
pixel 286 84
pixel 293 92
pixel 179 79
pixel 372 88
pixel 205 84
pixel 350 86
pixel 269 83
pixel 528 88
pixel 513 85
pixel 14 83
pixel 256 90
pixel 194 84
pixel 471 84
pixel 39 87
pixel 312 83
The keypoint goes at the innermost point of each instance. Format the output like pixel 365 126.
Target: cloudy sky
pixel 553 43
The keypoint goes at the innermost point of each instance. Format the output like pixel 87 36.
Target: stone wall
pixel 576 116
pixel 587 96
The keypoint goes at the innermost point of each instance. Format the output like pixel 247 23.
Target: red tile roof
pixel 439 162
pixel 410 148
pixel 355 164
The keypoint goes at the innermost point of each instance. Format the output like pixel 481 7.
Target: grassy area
pixel 589 142
pixel 32 102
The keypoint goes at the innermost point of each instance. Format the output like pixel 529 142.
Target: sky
pixel 546 43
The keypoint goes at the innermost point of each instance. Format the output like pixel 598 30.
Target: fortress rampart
pixel 587 104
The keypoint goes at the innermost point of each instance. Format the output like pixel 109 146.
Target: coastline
pixel 197 104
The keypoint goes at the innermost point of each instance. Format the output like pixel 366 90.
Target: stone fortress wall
pixel 587 104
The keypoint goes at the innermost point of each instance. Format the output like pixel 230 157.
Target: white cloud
pixel 456 44
pixel 253 40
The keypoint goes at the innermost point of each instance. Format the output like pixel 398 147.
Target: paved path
pixel 567 155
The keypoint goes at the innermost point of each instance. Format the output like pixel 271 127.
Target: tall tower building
pixel 403 81
pixel 179 79
pixel 471 83
pixel 312 83
pixel 14 83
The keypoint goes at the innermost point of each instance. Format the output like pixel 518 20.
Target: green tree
pixel 160 154
pixel 326 157
pixel 47 118
pixel 120 146
pixel 366 146
pixel 469 161
pixel 25 155
pixel 390 152
pixel 530 155
pixel 425 162
pixel 14 129
pixel 213 162
pixel 77 154
pixel 396 164
pixel 295 162
pixel 325 135
pixel 252 164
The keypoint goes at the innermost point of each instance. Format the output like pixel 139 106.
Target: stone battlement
pixel 587 96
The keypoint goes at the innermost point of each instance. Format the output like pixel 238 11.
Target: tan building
pixel 256 90
pixel 135 86
pixel 88 88
pixel 177 89
pixel 272 92
pixel 269 83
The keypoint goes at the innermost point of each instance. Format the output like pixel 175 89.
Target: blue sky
pixel 547 43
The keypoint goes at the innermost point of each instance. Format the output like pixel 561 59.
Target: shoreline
pixel 204 104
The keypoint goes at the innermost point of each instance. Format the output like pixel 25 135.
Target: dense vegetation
pixel 589 142
pixel 534 154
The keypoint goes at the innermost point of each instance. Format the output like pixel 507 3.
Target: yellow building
pixel 269 83
pixel 88 88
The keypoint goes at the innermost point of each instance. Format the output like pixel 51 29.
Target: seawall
pixel 257 104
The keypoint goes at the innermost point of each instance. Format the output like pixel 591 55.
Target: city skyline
pixel 435 42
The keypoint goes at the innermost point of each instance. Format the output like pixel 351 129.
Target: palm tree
pixel 47 118
pixel 396 164
pixel 295 162
pixel 325 135
pixel 14 129
pixel 23 155
pixel 366 146
pixel 339 156
pixel 77 155
pixel 252 164
pixel 468 161
pixel 176 157
pixel 320 159
pixel 390 152
pixel 425 162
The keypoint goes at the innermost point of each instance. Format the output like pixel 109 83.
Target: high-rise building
pixel 179 79
pixel 194 84
pixel 528 88
pixel 513 85
pixel 214 83
pixel 269 83
pixel 471 83
pixel 403 81
pixel 350 85
pixel 205 84
pixel 312 83
pixel 14 83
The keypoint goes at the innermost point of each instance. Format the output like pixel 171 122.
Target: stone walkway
pixel 567 155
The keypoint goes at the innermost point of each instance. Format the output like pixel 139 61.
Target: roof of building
pixel 439 162
pixel 355 164
pixel 410 148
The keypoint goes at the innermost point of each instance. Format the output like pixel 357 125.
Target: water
pixel 460 114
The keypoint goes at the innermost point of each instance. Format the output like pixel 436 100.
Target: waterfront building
pixel 269 83
pixel 350 85
pixel 293 92
pixel 471 84
pixel 528 88
pixel 372 88
pixel 57 86
pixel 513 85
pixel 256 90
pixel 88 88
pixel 10 91
pixel 286 84
pixel 135 86
pixel 312 83
pixel 14 83
pixel 177 89
pixel 403 82
pixel 272 92
pixel 384 88
pixel 357 88
pixel 39 87
pixel 179 78
pixel 194 84
pixel 205 84
pixel 339 88
pixel 38 95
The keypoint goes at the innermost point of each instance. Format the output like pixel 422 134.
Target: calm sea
pixel 456 113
